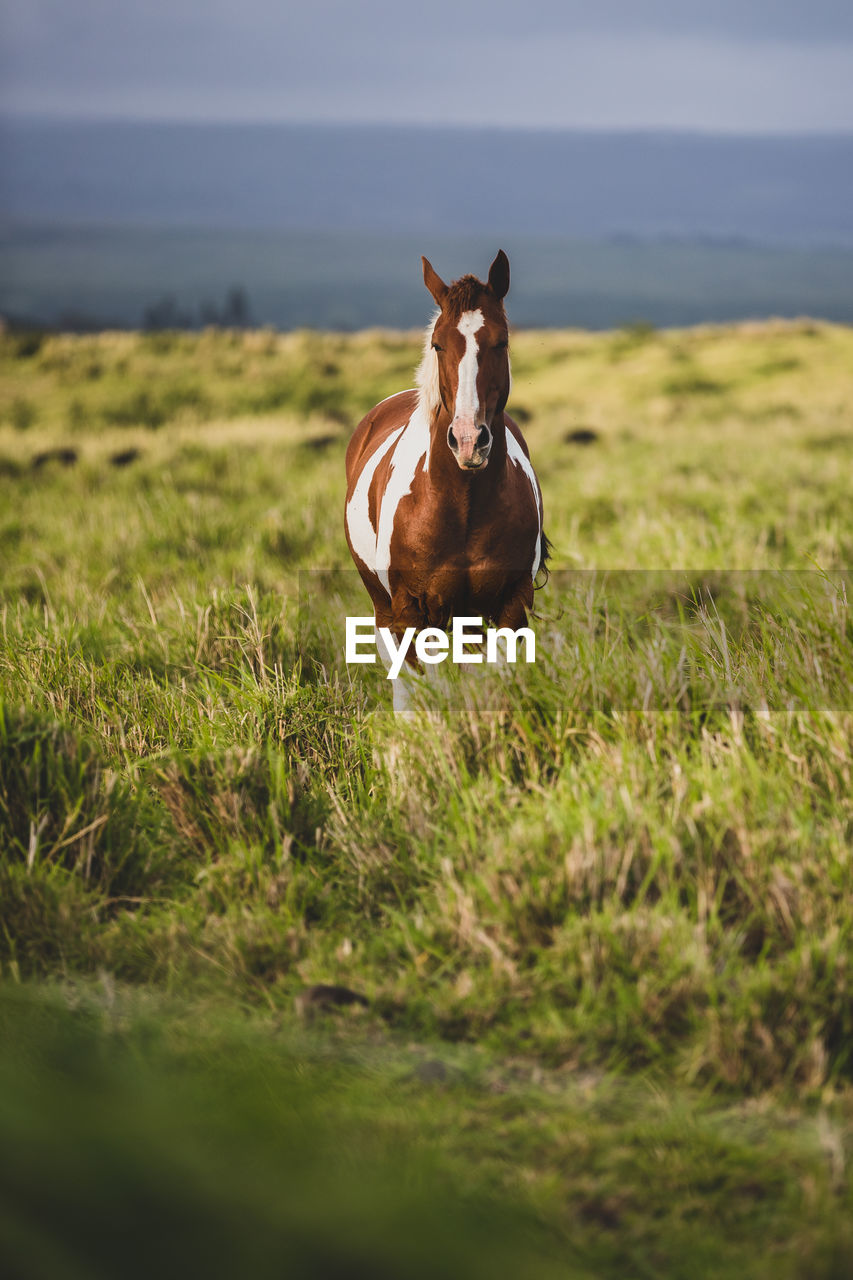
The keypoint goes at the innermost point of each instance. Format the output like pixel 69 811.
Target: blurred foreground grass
pixel 138 1136
pixel 601 911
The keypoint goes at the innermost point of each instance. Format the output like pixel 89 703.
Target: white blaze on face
pixel 467 402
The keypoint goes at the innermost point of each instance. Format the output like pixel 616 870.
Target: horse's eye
pixel 502 346
pixel 436 347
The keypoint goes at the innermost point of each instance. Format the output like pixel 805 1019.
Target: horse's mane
pixel 426 377
pixel 465 294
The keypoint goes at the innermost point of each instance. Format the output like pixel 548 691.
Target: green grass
pixel 600 910
pixel 247 1144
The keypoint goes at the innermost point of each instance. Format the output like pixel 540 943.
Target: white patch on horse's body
pixel 361 532
pixel 411 448
pixel 517 456
pixel 467 402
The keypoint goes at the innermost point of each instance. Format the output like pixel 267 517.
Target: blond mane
pixel 426 377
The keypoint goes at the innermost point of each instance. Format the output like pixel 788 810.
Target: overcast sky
pixel 753 66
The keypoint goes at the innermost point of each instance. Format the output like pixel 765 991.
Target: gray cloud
pixel 764 65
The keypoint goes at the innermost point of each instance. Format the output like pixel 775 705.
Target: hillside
pixel 324 225
pixel 410 179
pixel 106 277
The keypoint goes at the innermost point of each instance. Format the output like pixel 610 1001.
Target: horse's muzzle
pixel 470 444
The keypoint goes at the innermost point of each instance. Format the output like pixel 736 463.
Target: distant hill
pixel 88 277
pixel 323 226
pixel 797 190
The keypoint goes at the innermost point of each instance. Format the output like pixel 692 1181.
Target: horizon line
pixel 13 116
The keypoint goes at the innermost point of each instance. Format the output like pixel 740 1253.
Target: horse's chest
pixel 441 543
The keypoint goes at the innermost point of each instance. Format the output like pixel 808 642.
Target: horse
pixel 443 511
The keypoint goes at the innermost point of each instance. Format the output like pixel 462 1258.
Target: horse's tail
pixel 545 549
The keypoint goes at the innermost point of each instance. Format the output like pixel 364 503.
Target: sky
pixel 733 66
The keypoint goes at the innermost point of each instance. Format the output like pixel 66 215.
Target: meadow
pixel 554 980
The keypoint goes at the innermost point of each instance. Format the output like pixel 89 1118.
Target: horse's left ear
pixel 499 275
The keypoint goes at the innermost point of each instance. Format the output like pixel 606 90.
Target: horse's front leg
pixel 398 619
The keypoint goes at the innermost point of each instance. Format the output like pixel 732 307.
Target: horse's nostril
pixel 452 441
pixel 484 437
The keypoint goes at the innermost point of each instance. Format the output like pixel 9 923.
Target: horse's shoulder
pixel 377 425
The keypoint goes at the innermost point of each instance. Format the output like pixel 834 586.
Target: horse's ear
pixel 499 275
pixel 434 282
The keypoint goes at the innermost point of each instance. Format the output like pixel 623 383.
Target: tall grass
pixel 626 867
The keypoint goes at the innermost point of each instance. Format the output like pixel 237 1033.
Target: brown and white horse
pixel 444 510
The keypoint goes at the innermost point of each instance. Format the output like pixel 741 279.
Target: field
pixel 593 921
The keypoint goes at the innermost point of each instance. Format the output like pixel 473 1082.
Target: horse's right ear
pixel 434 282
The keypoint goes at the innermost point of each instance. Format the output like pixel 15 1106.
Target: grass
pixel 251 1144
pixel 600 912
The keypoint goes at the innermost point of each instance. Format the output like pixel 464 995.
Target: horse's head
pixel 468 363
